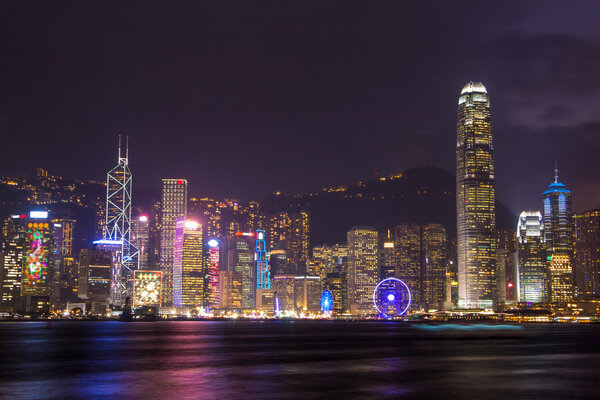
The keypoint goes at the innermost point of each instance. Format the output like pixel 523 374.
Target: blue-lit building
pixel 558 225
pixel 263 279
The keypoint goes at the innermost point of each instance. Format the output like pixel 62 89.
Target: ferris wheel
pixel 391 298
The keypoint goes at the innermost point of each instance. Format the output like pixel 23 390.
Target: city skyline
pixel 381 111
pixel 300 199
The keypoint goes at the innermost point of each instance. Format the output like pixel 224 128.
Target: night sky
pixel 245 98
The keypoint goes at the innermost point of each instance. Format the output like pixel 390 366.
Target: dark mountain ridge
pixel 421 195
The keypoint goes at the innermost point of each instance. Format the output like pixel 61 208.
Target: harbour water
pixel 298 360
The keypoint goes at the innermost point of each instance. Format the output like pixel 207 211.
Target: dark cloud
pixel 575 150
pixel 556 112
pixel 245 98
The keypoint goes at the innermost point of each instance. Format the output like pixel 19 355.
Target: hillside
pixel 421 195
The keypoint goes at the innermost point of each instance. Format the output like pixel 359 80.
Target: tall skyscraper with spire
pixel 558 222
pixel 475 199
pixel 118 218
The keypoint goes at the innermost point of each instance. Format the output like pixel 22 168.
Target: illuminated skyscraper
pixel 299 249
pixel 336 284
pixel 407 243
pixel 37 268
pixel 174 206
pixel 322 261
pixel 587 253
pixel 507 273
pixel 140 237
pixel 240 264
pixel 558 224
pixel 421 263
pixel 387 253
pixel 95 268
pixel 475 199
pixel 188 264
pixel 532 262
pixel 155 233
pixel 263 278
pixel 12 249
pixel 65 274
pixel 280 226
pixel 118 215
pixel 433 282
pixel 307 293
pixel 363 269
pixel 146 288
pixel 211 284
pixel 256 220
pixel 278 262
pixel 561 278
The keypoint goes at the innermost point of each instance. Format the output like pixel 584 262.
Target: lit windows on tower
pixel 475 199
pixel 531 258
pixel 263 279
pixel 173 206
pixel 559 235
pixel 214 254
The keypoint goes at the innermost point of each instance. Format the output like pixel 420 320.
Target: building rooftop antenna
pixel 119 157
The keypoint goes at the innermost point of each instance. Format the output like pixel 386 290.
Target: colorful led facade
pixel 36 260
pixel 188 265
pixel 177 273
pixel 326 302
pixel 146 288
pixel 532 261
pixel 475 199
pixel 214 256
pixel 263 278
pixel 95 273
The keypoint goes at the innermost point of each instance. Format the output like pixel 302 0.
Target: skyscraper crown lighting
pixel 475 199
pixel 473 87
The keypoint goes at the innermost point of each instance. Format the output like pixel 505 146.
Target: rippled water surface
pixel 296 359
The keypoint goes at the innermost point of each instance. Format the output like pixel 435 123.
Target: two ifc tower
pixel 476 214
pixel 475 199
